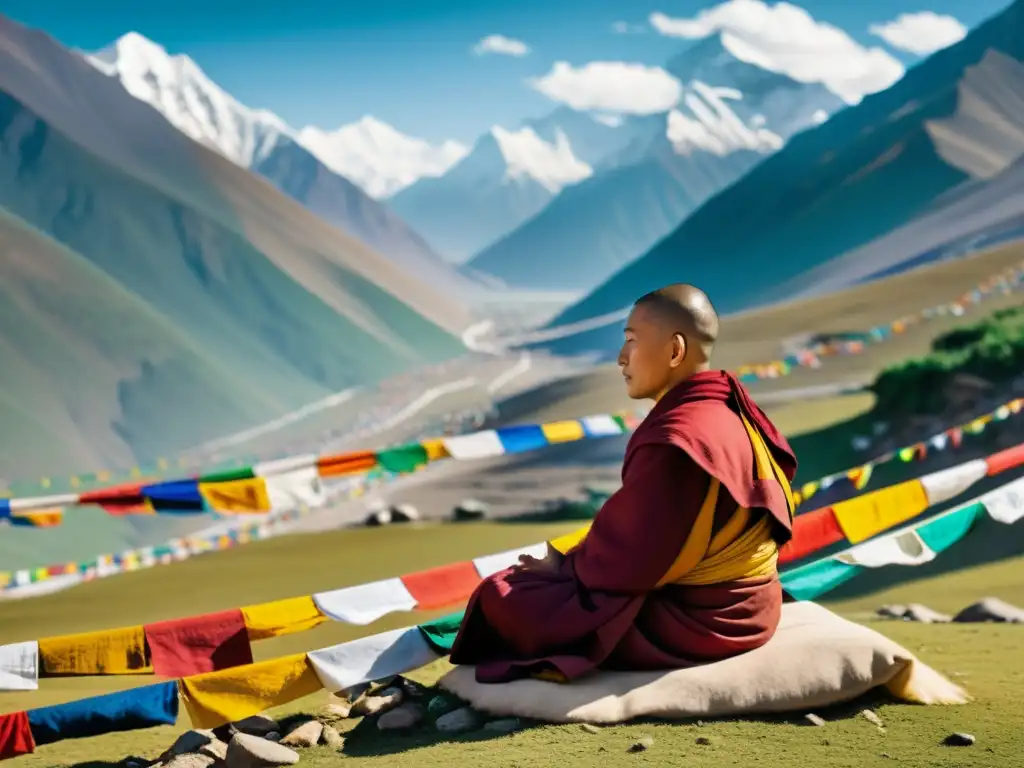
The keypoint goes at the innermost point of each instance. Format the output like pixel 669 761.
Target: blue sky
pixel 409 62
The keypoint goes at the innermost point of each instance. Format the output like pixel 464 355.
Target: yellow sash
pixel 738 551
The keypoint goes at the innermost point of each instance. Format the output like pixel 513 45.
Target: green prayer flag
pixel 403 459
pixel 440 633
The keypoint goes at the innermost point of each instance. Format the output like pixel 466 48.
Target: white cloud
pixel 786 39
pixel 625 28
pixel 921 33
pixel 610 86
pixel 507 46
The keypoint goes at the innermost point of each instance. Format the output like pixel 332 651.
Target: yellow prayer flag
pixel 862 517
pixel 563 431
pixel 435 450
pixel 239 496
pixel 564 543
pixel 229 695
pixel 281 617
pixel 107 652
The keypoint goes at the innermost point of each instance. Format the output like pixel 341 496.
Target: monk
pixel 678 567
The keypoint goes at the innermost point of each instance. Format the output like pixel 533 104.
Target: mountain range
pixel 733 114
pixel 331 174
pixel 157 293
pixel 507 177
pixel 953 120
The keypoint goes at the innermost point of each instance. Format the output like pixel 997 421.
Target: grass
pixel 985 658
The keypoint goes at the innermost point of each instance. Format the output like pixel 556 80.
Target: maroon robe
pixel 602 607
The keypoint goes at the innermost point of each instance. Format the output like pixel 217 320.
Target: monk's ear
pixel 678 350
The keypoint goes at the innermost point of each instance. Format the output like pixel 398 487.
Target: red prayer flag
pixel 15 736
pixel 443 586
pixel 811 532
pixel 1004 460
pixel 198 644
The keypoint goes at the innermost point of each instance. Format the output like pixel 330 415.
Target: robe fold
pixel 678 567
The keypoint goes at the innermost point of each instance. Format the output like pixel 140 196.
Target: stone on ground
pixel 459 720
pixel 872 718
pixel 189 760
pixel 216 749
pixel 305 735
pixel 257 725
pixel 991 609
pixel 377 703
pixel 189 741
pixel 404 513
pixel 505 725
pixel 442 704
pixel 959 740
pixel 338 707
pixel 331 737
pixel 469 509
pixel 401 717
pixel 892 611
pixel 642 744
pixel 378 517
pixel 247 751
pixel 925 615
pixel 273 736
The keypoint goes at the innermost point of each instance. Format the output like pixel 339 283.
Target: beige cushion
pixel 816 658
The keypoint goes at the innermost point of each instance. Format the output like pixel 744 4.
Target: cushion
pixel 815 659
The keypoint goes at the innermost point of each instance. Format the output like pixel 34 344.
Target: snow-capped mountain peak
pixel 527 155
pixel 181 91
pixel 379 158
pixel 712 126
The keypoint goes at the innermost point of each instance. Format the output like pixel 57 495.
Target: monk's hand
pixel 548 564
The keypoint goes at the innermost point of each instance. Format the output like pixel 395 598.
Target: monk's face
pixel 652 357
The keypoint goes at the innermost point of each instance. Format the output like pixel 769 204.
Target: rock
pixel 442 704
pixel 273 736
pixel 924 614
pixel 257 725
pixel 378 517
pixel 216 749
pixel 412 689
pixel 247 751
pixel 404 513
pixel 505 725
pixel 469 509
pixel 387 699
pixel 331 737
pixel 457 721
pixel 991 609
pixel 704 741
pixel 812 719
pixel 305 735
pixel 190 760
pixel 892 611
pixel 401 717
pixel 587 727
pixel 189 741
pixel 641 745
pixel 338 707
pixel 959 740
pixel 134 761
pixel 872 718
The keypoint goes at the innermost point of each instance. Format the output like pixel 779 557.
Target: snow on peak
pixel 526 154
pixel 712 126
pixel 194 104
pixel 379 158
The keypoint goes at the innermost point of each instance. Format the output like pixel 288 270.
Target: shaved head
pixel 670 336
pixel 686 310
